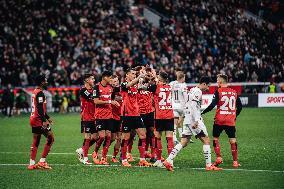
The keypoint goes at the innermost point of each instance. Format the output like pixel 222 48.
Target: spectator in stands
pixel 21 102
pixel 8 100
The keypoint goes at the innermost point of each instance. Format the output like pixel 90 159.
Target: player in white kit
pixel 194 125
pixel 178 89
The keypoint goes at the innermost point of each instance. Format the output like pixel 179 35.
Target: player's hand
pixel 50 121
pixel 195 125
pixel 115 103
pixel 45 124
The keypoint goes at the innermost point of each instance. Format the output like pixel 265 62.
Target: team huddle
pixel 145 106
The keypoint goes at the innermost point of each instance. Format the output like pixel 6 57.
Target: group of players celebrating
pixel 147 105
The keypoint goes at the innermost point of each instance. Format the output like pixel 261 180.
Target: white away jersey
pixel 193 106
pixel 178 90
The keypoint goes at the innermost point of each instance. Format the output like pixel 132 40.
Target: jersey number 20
pixel 229 103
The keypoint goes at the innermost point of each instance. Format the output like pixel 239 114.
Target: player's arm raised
pixel 213 103
pixel 135 81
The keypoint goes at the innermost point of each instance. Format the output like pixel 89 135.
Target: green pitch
pixel 260 143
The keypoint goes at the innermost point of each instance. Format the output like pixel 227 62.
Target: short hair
pixel 39 79
pixel 114 76
pixel 224 77
pixel 205 79
pixel 128 70
pixel 138 68
pixel 106 73
pixel 86 76
pixel 180 75
pixel 164 75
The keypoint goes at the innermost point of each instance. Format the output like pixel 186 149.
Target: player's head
pixel 130 74
pixel 180 76
pixel 114 81
pixel 204 83
pixel 163 77
pixel 41 81
pixel 106 76
pixel 89 79
pixel 222 79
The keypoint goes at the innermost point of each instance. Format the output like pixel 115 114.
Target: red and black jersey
pixel 130 102
pixel 103 111
pixel 228 104
pixel 163 100
pixel 145 101
pixel 116 110
pixel 38 114
pixel 87 104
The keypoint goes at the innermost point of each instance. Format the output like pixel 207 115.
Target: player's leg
pixel 231 132
pixel 169 128
pixel 158 146
pixel 102 134
pixel 109 125
pixel 49 141
pixel 186 135
pixel 35 143
pixel 148 121
pixel 126 128
pixel 217 130
pixel 176 121
pixel 130 145
pixel 116 146
pixel 141 132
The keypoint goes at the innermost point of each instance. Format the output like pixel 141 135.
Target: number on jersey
pixel 229 103
pixel 166 100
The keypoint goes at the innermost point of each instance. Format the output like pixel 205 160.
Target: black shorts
pixel 218 129
pixel 148 119
pixel 104 124
pixel 88 127
pixel 116 126
pixel 164 124
pixel 131 122
pixel 41 130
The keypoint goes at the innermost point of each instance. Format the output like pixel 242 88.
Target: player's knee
pixel 50 140
pixel 232 140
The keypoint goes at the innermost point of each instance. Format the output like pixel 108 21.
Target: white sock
pixel 85 158
pixel 42 160
pixel 207 154
pixel 32 162
pixel 180 132
pixel 175 133
pixel 174 152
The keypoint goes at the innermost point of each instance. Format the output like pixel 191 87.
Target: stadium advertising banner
pixel 271 100
pixel 206 100
pixel 249 100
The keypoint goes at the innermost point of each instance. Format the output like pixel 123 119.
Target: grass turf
pixel 260 145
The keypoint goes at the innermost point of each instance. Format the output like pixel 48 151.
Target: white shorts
pixel 189 131
pixel 178 112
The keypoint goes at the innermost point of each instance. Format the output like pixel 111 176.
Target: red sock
pixel 35 143
pixel 86 147
pixel 234 149
pixel 106 146
pixel 47 146
pixel 153 147
pixel 123 149
pixel 141 147
pixel 159 148
pixel 98 144
pixel 116 148
pixel 148 142
pixel 217 148
pixel 170 144
pixel 130 144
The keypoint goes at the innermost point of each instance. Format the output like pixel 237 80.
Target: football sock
pixel 207 154
pixel 83 143
pixel 175 151
pixel 123 149
pixel 153 147
pixel 217 148
pixel 175 133
pixel 141 147
pixel 106 146
pixel 148 141
pixel 99 143
pixel 234 149
pixel 159 148
pixel 116 148
pixel 47 146
pixel 32 162
pixel 86 147
pixel 170 144
pixel 130 144
pixel 34 147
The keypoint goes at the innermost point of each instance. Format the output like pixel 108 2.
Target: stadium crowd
pixel 66 39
